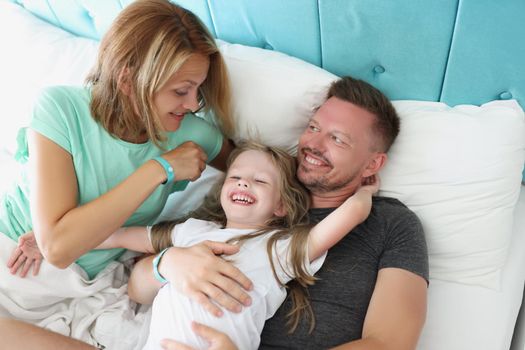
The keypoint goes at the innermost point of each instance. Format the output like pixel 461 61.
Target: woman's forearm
pixel 85 227
pixel 142 285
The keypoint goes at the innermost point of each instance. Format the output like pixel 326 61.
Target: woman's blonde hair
pixel 146 44
pixel 294 224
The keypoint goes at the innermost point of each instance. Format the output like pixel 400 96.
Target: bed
pixel 454 69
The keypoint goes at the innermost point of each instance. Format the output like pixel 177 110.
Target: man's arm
pixel 396 313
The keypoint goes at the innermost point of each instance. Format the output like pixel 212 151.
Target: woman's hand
pixel 188 161
pixel 27 254
pixel 216 339
pixel 199 273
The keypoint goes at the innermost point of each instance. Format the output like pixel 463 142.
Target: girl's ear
pixel 124 83
pixel 280 211
pixel 375 164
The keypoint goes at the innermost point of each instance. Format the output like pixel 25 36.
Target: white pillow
pixel 274 95
pixel 459 169
pixel 35 54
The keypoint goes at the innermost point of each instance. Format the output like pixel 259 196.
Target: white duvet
pixel 98 312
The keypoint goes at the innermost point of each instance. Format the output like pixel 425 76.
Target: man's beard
pixel 322 184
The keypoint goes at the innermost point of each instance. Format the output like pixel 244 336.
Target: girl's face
pixel 180 93
pixel 251 194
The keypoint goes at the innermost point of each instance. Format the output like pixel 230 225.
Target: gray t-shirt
pixel 392 236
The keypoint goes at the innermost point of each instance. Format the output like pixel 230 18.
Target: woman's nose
pixel 191 102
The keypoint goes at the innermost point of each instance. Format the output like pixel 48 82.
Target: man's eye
pixel 337 140
pixel 313 128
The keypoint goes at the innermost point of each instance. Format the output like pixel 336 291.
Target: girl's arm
pixel 134 238
pixel 325 234
pixel 64 230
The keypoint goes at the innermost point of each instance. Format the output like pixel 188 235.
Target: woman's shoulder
pixel 61 92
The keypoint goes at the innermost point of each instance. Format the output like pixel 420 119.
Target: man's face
pixel 335 150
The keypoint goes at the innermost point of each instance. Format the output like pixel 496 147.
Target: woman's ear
pixel 375 164
pixel 124 82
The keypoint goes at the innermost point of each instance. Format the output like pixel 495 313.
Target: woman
pixel 108 155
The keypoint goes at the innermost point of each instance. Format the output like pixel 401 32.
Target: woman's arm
pixel 325 234
pixel 198 273
pixel 65 231
pixel 219 162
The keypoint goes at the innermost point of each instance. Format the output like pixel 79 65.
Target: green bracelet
pixel 170 173
pixel 156 262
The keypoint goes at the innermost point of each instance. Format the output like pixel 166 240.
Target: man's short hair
pixel 364 95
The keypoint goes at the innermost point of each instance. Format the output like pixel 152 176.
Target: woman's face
pixel 180 93
pixel 251 194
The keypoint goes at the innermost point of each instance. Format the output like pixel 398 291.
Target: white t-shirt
pixel 173 312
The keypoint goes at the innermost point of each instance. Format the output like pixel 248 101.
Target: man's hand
pixel 27 254
pixel 216 339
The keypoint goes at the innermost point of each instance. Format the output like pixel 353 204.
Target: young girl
pixel 261 206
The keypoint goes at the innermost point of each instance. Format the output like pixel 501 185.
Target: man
pixel 371 292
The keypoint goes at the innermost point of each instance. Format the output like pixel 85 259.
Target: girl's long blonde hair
pixel 294 224
pixel 146 44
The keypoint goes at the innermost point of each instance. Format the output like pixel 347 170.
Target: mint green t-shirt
pixel 101 162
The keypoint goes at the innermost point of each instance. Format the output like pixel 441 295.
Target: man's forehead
pixel 331 123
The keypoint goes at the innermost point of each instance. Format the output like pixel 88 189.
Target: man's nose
pixel 315 142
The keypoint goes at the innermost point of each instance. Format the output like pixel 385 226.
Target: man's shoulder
pixel 392 212
pixel 390 204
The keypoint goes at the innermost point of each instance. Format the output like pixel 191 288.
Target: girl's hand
pixel 216 339
pixel 370 184
pixel 197 272
pixel 27 254
pixel 188 161
pixel 362 198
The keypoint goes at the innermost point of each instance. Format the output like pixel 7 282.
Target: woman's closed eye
pixel 181 92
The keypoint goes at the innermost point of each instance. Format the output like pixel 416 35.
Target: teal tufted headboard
pixel 454 51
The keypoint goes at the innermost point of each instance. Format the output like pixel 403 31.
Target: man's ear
pixel 280 211
pixel 124 82
pixel 375 164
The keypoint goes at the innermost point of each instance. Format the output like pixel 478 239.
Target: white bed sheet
pixel 463 317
